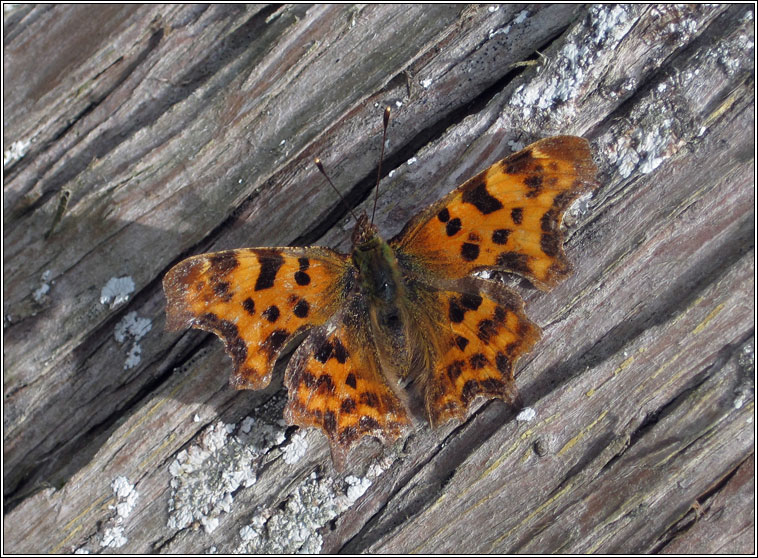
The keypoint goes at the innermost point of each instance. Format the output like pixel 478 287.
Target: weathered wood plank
pixel 183 129
pixel 727 517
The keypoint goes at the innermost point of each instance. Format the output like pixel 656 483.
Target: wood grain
pixel 178 130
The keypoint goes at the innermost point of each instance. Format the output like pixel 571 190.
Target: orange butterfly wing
pixel 487 331
pixel 256 300
pixel 507 218
pixel 336 382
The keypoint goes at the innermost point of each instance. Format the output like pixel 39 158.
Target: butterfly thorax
pixel 379 276
pixel 378 270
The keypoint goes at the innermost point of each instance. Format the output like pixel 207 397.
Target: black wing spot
pixel 477 195
pixel 325 383
pixel 503 364
pixel 513 261
pixel 534 183
pixel 485 330
pixel 348 405
pixel 275 340
pixel 302 308
pixel 461 342
pixel 517 163
pixel 224 262
pixel 324 352
pixel 271 314
pixel 308 380
pixel 368 423
pixel 302 278
pixel 270 262
pixel 469 251
pixel 471 301
pixel 493 385
pixel 222 290
pixel 478 361
pixel 500 236
pixel 550 244
pixel 340 352
pixel 470 390
pixel 453 227
pixel 500 315
pixel 454 369
pixel 456 313
pixel 369 398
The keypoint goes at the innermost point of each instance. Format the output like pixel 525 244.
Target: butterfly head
pixel 365 233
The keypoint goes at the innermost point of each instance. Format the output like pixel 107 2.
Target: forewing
pixel 335 383
pixel 255 300
pixel 507 217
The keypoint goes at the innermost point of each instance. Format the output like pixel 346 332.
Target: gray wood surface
pixel 135 136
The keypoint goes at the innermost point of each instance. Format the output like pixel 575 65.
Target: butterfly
pixel 402 329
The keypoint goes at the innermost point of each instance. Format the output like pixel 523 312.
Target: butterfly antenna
pixel 329 180
pixel 381 158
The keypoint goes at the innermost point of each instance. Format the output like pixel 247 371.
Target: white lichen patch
pixel 570 66
pixel 652 146
pixel 116 291
pixel 356 487
pixel 526 414
pixel 735 55
pixel 577 208
pixel 113 537
pixel 643 150
pixel 132 328
pixel 625 156
pixel 15 152
pixel 206 475
pixel 126 499
pixel 247 425
pixel 296 449
pixel 519 19
pixel 294 526
pixel 376 469
pixel 40 293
